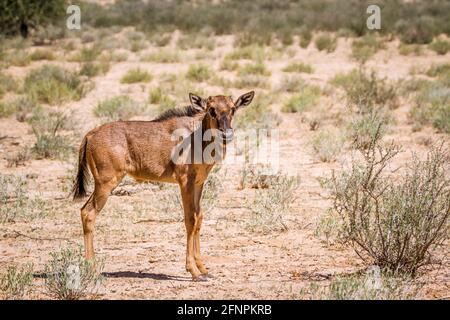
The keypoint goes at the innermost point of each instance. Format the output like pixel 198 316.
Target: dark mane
pixel 188 111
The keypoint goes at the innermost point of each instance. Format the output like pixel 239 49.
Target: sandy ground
pixel 144 248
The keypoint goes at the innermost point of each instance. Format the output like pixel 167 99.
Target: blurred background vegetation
pixel 253 21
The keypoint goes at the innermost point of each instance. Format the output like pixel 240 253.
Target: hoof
pixel 200 278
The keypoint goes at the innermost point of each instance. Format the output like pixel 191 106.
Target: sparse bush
pixel 440 46
pixel 18 158
pixel 198 72
pixel 327 145
pixel 16 282
pixel 299 67
pixel 19 17
pixel 394 222
pixel 364 48
pixel 18 58
pixel 417 29
pixel 433 106
pixel 410 49
pixel 5 109
pixel 118 108
pixel 15 202
pixel 257 68
pixel 244 39
pixel 302 101
pixel 250 81
pixel 196 41
pixel 325 42
pixel 229 64
pixel 157 96
pixel 257 115
pixel 7 84
pixel 53 85
pixel 87 54
pixel 163 56
pixel 291 84
pixel 440 70
pixel 92 69
pixel 22 106
pixel 136 75
pixel 305 38
pixel 271 204
pixel 70 277
pixel 160 39
pixel 252 52
pixel 373 285
pixel 363 128
pixel 367 92
pixel 257 177
pixel 46 126
pixel 42 54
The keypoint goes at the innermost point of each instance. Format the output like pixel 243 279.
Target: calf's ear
pixel 245 99
pixel 197 102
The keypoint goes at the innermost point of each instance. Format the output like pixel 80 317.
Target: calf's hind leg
pixel 91 208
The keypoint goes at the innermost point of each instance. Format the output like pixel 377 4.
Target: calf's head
pixel 220 111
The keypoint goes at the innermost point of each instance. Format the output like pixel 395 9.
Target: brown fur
pixel 142 149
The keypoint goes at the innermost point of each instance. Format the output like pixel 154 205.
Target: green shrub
pixel 394 221
pixel 87 54
pixel 410 49
pixel 257 68
pixel 374 285
pixel 20 16
pixel 299 67
pixel 157 96
pixel 22 106
pixel 305 38
pixel 16 282
pixel 257 115
pixel 46 126
pixel 244 39
pixel 440 46
pixel 118 108
pixel 93 69
pixel 327 145
pixel 229 64
pixel 433 106
pixel 136 75
pixel 417 29
pixel 440 70
pixel 70 277
pixel 163 56
pixel 196 41
pixel 198 72
pixel 364 48
pixel 7 84
pixel 5 110
pixel 250 81
pixel 302 101
pixel 364 127
pixel 160 39
pixel 15 202
pixel 325 42
pixel 271 204
pixel 18 58
pixel 365 92
pixel 42 54
pixel 252 52
pixel 53 85
pixel 291 84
